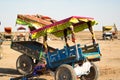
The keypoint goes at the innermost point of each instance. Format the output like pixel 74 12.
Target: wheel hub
pixel 24 65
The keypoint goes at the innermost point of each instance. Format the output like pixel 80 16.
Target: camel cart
pixel 70 62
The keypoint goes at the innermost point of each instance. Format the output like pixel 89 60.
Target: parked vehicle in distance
pixel 110 32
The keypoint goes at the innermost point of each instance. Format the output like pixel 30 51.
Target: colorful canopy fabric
pixel 8 30
pixel 36 21
pixel 21 28
pixel 57 28
pixel 107 28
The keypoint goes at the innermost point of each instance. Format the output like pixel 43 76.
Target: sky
pixel 105 12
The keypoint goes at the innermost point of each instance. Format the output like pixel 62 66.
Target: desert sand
pixel 109 65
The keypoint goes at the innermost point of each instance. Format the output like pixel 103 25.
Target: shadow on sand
pixel 6 71
pixel 12 73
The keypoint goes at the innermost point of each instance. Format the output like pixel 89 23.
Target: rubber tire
pixel 65 72
pixel 93 75
pixel 24 65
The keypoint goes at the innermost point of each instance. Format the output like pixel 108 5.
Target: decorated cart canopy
pixel 42 25
pixel 107 28
pixel 34 21
pixel 75 22
pixel 8 30
pixel 21 28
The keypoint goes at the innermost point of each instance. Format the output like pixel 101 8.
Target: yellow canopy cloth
pixel 57 28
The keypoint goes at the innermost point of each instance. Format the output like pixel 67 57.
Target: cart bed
pixel 30 48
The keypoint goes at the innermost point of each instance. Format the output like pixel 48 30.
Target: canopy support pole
pixel 73 40
pixel 45 43
pixel 65 36
pixel 92 32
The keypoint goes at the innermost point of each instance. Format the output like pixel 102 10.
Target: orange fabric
pixel 8 29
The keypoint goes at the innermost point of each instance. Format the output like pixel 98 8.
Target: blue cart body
pixel 72 54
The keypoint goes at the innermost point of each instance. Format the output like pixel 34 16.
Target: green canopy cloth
pixel 78 23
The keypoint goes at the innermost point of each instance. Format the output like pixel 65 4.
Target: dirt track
pixel 109 66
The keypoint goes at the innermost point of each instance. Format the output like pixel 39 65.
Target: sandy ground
pixel 109 66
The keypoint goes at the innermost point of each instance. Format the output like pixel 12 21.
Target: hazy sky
pixel 106 12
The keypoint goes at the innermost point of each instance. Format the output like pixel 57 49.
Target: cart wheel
pixel 93 75
pixel 65 72
pixel 24 64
